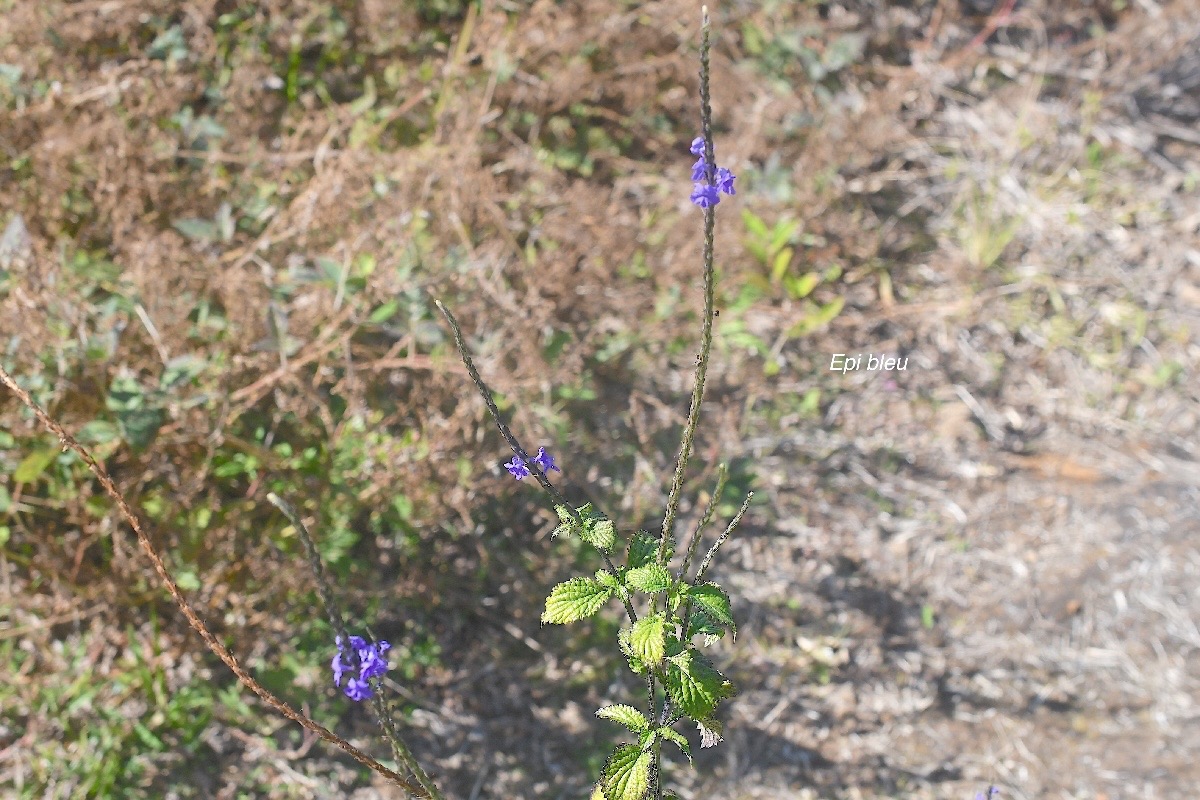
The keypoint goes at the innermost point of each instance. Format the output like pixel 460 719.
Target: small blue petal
pixel 705 196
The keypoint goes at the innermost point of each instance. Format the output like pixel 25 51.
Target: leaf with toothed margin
pixel 713 602
pixel 677 738
pixel 626 776
pixel 642 549
pixel 694 685
pixel 628 716
pixel 567 523
pixel 648 639
pixel 574 600
pixel 652 578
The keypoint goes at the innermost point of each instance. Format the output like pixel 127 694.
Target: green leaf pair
pixel 637 723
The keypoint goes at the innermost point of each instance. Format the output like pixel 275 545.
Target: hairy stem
pixel 689 432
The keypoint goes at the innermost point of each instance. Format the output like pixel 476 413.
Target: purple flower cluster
pixel 543 460
pixel 704 195
pixel 371 664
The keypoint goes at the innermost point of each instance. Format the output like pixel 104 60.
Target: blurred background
pixel 223 225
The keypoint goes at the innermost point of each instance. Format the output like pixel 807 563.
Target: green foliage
pixel 647 639
pixel 651 578
pixel 114 727
pixel 626 776
pixel 694 685
pixel 712 601
pixel 574 600
pixel 588 524
pixel 642 548
pixel 628 716
pixel 773 247
pixel 676 737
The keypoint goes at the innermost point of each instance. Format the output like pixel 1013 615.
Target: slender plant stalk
pixel 383 715
pixel 542 479
pixel 666 544
pixel 507 433
pixel 69 443
pixel 709 510
pixel 712 551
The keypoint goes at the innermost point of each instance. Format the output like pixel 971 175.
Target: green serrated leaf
pixel 694 685
pixel 714 603
pixel 574 600
pixel 652 578
pixel 601 534
pixel 635 664
pixel 676 595
pixel 628 716
pixel 626 776
pixel 677 738
pixel 647 640
pixel 700 623
pixel 642 548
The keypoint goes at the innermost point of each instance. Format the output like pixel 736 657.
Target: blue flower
pixel 371 664
pixel 517 468
pixel 704 195
pixel 545 461
pixel 725 180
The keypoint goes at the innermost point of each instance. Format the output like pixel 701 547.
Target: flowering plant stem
pixel 657 644
pixel 710 221
pixel 379 707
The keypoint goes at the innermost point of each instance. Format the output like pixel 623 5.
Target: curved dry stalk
pixel 69 443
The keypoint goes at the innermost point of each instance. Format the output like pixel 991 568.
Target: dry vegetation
pixel 224 222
